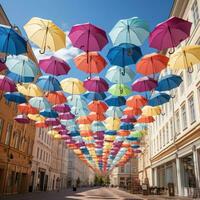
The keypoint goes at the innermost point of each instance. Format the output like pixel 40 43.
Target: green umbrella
pixel 119 90
pixel 137 134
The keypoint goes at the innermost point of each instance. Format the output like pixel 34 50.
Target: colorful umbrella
pixel 151 111
pixel 2 66
pixel 36 117
pixel 49 113
pixel 159 99
pixel 145 119
pixel 66 116
pixel 93 116
pixel 98 127
pixel 126 126
pixel 112 123
pixel 7 84
pixel 79 111
pixel 95 95
pixel 15 97
pixel 97 106
pixel 132 111
pixel 83 120
pixel 128 119
pixel 152 64
pixel 56 97
pixel 140 127
pixel 26 109
pixel 136 101
pixel 39 102
pixel 45 34
pixel 133 30
pixel 114 112
pixel 169 33
pixel 54 66
pixel 115 101
pixel 19 79
pixel 61 108
pixel 119 90
pixel 52 121
pixel 88 37
pixel 23 119
pixel 29 89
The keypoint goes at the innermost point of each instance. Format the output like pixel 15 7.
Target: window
pixel 177 123
pixel 191 109
pixel 184 117
pixel 1 127
pixel 160 133
pixel 122 169
pixel 167 133
pixel 189 77
pixel 8 134
pixel 163 136
pixel 38 151
pixel 16 137
pixel 195 13
pixel 181 87
pixel 41 154
pixel 171 129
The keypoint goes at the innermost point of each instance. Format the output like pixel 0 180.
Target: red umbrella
pixel 56 97
pixel 41 124
pixel 23 119
pixel 98 106
pixel 130 111
pixel 83 120
pixel 136 101
pixel 93 116
pixel 145 119
pixel 24 108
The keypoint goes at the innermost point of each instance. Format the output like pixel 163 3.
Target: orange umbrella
pixel 41 124
pixel 90 145
pixel 126 145
pixel 83 120
pixel 97 106
pixel 145 119
pixel 91 62
pixel 123 132
pixel 136 101
pixel 152 64
pixel 86 133
pixel 26 109
pixel 56 97
pixel 93 116
pixel 131 111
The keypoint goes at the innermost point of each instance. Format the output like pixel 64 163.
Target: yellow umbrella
pixel 52 132
pixel 29 89
pixel 45 34
pixel 84 127
pixel 112 123
pixel 151 111
pixel 185 57
pixel 72 86
pixel 57 136
pixel 36 117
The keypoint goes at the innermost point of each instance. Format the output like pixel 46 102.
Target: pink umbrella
pixel 66 116
pixel 2 66
pixel 23 119
pixel 96 84
pixel 144 84
pixel 88 37
pixel 54 66
pixel 52 121
pixel 6 84
pixel 128 119
pixel 169 33
pixel 61 108
pixel 58 127
pixel 64 132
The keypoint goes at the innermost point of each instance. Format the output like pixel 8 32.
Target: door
pixel 1 180
pixel 46 183
pixel 42 177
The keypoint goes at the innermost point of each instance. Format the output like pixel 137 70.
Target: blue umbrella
pixel 114 112
pixel 19 79
pixel 95 95
pixel 75 133
pixel 79 111
pixel 124 54
pixel 131 138
pixel 111 133
pixel 49 113
pixel 15 97
pixel 169 82
pixel 77 100
pixel 97 126
pixel 140 127
pixel 126 126
pixel 48 83
pixel 40 103
pixel 115 101
pixel 135 146
pixel 11 42
pixel 159 99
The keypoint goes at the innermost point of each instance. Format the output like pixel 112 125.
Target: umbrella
pixel 7 84
pixel 97 106
pixel 84 127
pixel 112 123
pixel 11 42
pixel 39 102
pixel 123 132
pixel 49 113
pixel 159 99
pixel 83 120
pixel 54 66
pixel 93 116
pixel 136 101
pixel 40 124
pixel 19 79
pixel 23 119
pixel 119 90
pixel 29 89
pixel 52 121
pixel 144 84
pixel 24 108
pixel 132 111
pixel 114 112
pixel 145 119
pixel 22 66
pixel 15 97
pixel 111 132
pixel 92 62
pixel 185 57
pixel 118 74
pixel 48 83
pixel 169 82
pixel 45 34
pixel 95 95
pixel 115 101
pixel 52 132
pixel 88 37
pixel 151 111
pixel 169 33
pixel 133 30
pixel 61 108
pixel 128 119
pixel 72 86
pixel 66 116
pixel 96 84
pixel 98 127
pixel 126 126
pixel 77 101
pixel 151 64
pixel 36 117
pixel 56 97
pixel 2 66
pixel 140 127
pixel 79 111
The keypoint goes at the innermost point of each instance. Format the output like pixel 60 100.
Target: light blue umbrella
pixel 114 112
pixel 40 103
pixel 133 30
pixel 95 95
pixel 22 66
pixel 79 111
pixel 76 100
pixel 68 123
pixel 15 97
pixel 19 79
pixel 140 127
pixel 159 99
pixel 48 83
pixel 117 74
pixel 97 126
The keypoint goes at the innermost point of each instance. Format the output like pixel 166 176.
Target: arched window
pixel 16 139
pixel 8 134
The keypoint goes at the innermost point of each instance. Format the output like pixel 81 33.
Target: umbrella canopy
pixel 40 124
pixel 49 113
pixel 119 90
pixel 23 119
pixel 24 108
pixel 185 57
pixel 48 83
pixel 123 132
pixel 77 101
pixel 117 74
pixel 88 37
pixel 72 86
pixel 22 66
pixel 114 112
pixel 96 84
pixel 83 120
pixel 79 111
pixel 115 101
pixel 7 84
pixel 97 106
pixel 39 102
pixel 140 127
pixel 169 33
pixel 169 82
pixel 151 111
pixel 136 101
pixel 144 84
pixel 52 121
pixel 133 30
pixel 128 119
pixel 19 79
pixel 2 67
pixel 124 54
pixel 15 97
pixel 145 119
pixel 93 116
pixel 61 108
pixel 56 97
pixel 132 111
pixel 66 116
pixel 91 62
pixel 159 99
pixel 45 34
pixel 36 117
pixel 98 127
pixel 95 95
pixel 152 64
pixel 29 89
pixel 54 66
pixel 126 126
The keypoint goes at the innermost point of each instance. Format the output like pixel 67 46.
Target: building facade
pixel 174 137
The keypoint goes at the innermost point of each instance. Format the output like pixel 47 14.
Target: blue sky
pixel 102 13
